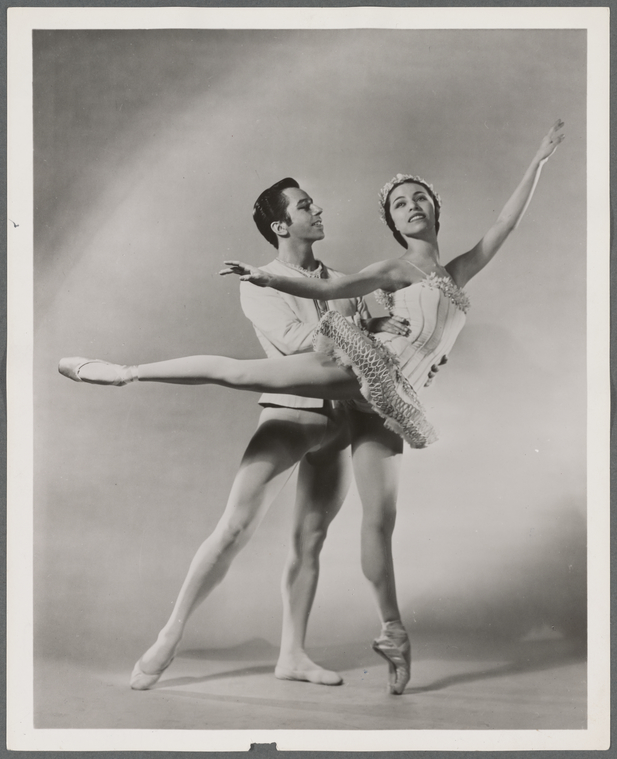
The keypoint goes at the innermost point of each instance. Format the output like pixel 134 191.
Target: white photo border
pixel 21 734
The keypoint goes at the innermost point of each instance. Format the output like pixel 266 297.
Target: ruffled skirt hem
pixel 381 382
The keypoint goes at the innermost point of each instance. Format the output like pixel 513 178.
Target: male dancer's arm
pixel 276 322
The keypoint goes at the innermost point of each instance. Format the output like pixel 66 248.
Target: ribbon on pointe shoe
pixel 394 646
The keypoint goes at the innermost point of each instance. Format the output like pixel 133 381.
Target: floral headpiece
pixel 395 182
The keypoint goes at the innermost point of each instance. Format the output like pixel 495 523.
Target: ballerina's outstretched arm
pixel 391 274
pixel 467 265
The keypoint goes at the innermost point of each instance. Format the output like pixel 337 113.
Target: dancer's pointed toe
pixel 96 372
pixel 141 680
pixel 69 367
pixel 395 648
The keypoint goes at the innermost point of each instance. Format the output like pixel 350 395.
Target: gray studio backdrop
pixel 150 149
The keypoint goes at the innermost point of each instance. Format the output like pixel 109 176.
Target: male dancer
pixel 292 430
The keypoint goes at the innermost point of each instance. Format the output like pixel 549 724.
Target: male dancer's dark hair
pixel 271 206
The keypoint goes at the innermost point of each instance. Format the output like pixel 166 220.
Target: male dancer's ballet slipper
pixel 317 676
pixel 396 650
pixel 70 367
pixel 141 680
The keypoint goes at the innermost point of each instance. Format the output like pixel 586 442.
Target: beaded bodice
pixel 446 285
pixel 393 368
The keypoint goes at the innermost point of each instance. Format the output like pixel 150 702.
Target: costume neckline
pixel 426 275
pixel 432 277
pixel 445 284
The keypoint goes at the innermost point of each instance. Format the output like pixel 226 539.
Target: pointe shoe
pixel 141 680
pixel 317 676
pixel 70 367
pixel 396 650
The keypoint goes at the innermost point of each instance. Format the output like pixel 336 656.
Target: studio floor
pixel 456 684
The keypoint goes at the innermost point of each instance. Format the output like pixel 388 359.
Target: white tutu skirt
pixel 381 381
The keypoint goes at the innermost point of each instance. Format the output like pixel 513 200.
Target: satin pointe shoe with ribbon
pixel 108 374
pixel 394 646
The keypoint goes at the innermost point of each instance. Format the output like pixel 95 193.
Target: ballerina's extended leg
pixel 309 374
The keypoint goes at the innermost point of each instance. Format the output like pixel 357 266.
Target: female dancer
pixel 384 369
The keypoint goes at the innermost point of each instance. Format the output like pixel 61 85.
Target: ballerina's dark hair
pixel 384 206
pixel 271 206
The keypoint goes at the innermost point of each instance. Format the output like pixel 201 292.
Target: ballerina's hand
pixel 247 273
pixel 549 144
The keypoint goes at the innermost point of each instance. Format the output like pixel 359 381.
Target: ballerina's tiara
pixel 395 182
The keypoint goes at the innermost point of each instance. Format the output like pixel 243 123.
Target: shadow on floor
pixel 256 648
pixel 519 656
pixel 530 657
pixel 263 669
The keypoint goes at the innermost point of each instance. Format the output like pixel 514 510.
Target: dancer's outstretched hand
pixel 247 273
pixel 549 144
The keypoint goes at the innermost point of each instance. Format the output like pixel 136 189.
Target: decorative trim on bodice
pixel 384 299
pixel 447 286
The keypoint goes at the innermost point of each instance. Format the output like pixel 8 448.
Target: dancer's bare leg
pixel 323 482
pixel 282 438
pixel 376 460
pixel 311 375
pixel 376 463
